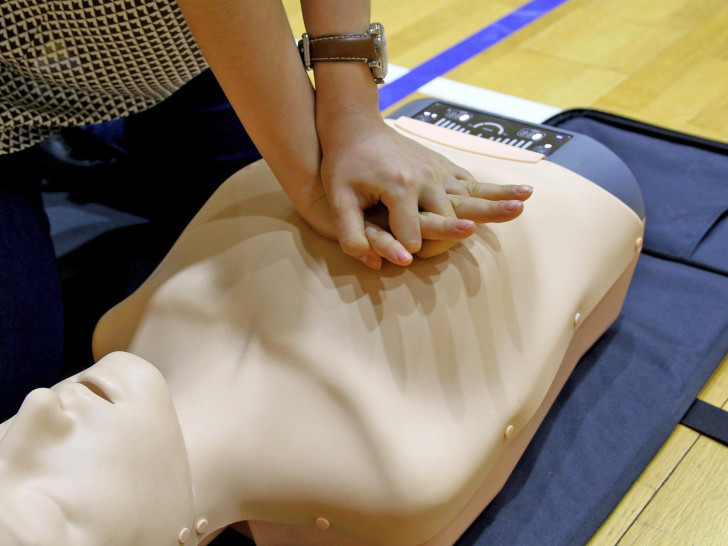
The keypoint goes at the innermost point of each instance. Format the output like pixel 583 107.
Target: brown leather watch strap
pixel 369 47
pixel 343 47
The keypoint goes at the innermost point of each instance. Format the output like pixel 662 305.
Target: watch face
pixel 379 66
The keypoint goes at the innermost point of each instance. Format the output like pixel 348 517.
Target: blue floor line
pixel 464 50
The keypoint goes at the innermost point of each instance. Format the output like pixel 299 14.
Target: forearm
pixel 335 16
pixel 331 151
pixel 342 89
pixel 250 48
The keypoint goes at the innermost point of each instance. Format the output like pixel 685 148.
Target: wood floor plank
pixel 641 534
pixel 642 492
pixel 624 515
pixel 715 390
pixel 692 503
pixel 416 35
pixel 546 79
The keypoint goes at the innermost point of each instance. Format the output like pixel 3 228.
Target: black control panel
pixel 514 133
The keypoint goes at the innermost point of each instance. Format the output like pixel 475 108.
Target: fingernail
pixel 524 190
pixel 371 262
pixel 403 256
pixel 463 225
pixel 511 206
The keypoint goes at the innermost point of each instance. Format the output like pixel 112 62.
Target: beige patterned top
pixel 73 62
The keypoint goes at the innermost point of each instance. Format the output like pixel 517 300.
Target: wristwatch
pixel 369 47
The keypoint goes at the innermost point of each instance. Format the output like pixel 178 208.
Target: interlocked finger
pixel 385 245
pixel 481 210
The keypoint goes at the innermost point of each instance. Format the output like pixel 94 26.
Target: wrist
pixel 346 95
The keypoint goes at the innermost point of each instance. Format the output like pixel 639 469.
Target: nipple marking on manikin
pixel 322 523
pixel 201 526
pixel 509 432
pixel 577 319
pixel 184 534
pixel 638 244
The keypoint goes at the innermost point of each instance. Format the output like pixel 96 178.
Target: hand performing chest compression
pixel 329 148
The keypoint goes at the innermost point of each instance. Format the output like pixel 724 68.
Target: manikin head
pixel 98 456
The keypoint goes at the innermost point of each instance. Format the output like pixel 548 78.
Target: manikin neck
pixel 217 488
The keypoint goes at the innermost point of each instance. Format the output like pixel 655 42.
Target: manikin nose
pixel 41 417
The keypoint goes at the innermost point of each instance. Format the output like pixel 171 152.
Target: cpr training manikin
pixel 261 376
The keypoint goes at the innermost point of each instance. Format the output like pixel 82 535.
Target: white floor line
pixel 480 98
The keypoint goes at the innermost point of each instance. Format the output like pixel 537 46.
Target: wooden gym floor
pixel 664 62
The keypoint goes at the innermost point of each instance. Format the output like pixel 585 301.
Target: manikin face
pixel 97 459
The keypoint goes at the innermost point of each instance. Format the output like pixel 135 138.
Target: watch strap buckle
pixel 376 66
pixel 304 47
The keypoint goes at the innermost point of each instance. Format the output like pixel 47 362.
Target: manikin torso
pixel 314 392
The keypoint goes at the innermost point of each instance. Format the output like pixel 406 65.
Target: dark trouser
pixel 169 159
pixel 31 308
